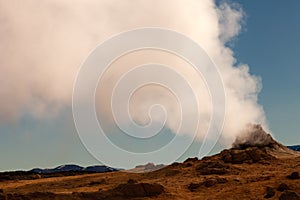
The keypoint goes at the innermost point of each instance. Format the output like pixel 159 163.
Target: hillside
pixel 248 170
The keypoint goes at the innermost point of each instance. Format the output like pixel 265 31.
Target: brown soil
pixel 251 173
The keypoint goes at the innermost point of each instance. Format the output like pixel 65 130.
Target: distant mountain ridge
pixel 149 167
pixel 74 168
pixel 295 147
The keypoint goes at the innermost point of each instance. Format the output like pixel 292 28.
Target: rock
pixel 2 195
pixel 87 195
pixel 32 195
pixel 249 155
pixel 172 172
pixel 254 136
pixel 269 193
pixel 282 187
pixel 210 182
pixel 139 190
pixel 226 156
pixel 240 157
pixel 293 176
pixel 191 160
pixel 188 165
pixel 212 164
pixel 211 171
pixel 101 182
pixel 222 180
pixel 175 164
pixel 212 167
pixel 131 181
pixel 288 195
pixel 193 186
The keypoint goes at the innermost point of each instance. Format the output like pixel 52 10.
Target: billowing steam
pixel 43 44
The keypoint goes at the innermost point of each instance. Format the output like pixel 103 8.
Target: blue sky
pixel 269 43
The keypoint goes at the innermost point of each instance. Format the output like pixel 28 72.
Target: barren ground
pixel 215 179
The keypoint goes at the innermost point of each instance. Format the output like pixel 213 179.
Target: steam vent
pixel 254 136
pixel 255 146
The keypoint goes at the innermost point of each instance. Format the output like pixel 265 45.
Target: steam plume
pixel 43 44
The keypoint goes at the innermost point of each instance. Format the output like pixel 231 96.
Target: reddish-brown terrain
pixel 259 170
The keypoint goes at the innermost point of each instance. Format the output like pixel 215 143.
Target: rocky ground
pixel 246 171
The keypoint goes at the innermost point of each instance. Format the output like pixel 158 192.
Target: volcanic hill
pixel 256 167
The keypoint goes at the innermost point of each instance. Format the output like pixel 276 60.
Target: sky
pixel 270 45
pixel 266 39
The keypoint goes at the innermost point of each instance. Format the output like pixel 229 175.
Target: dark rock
pixel 212 167
pixel 282 187
pixel 32 195
pixel 226 156
pixel 188 165
pixel 269 193
pixel 210 182
pixel 2 197
pixel 211 171
pixel 293 176
pixel 41 195
pixel 258 178
pixel 249 155
pixel 101 182
pixel 211 164
pixel 288 195
pixel 191 160
pixel 88 195
pixel 240 157
pixel 175 164
pixel 139 190
pixel 193 186
pixel 131 181
pixel 221 180
pixel 172 172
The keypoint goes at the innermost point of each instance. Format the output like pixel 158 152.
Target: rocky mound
pixel 249 155
pixel 138 190
pixel 254 136
pixel 255 145
pixel 213 167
